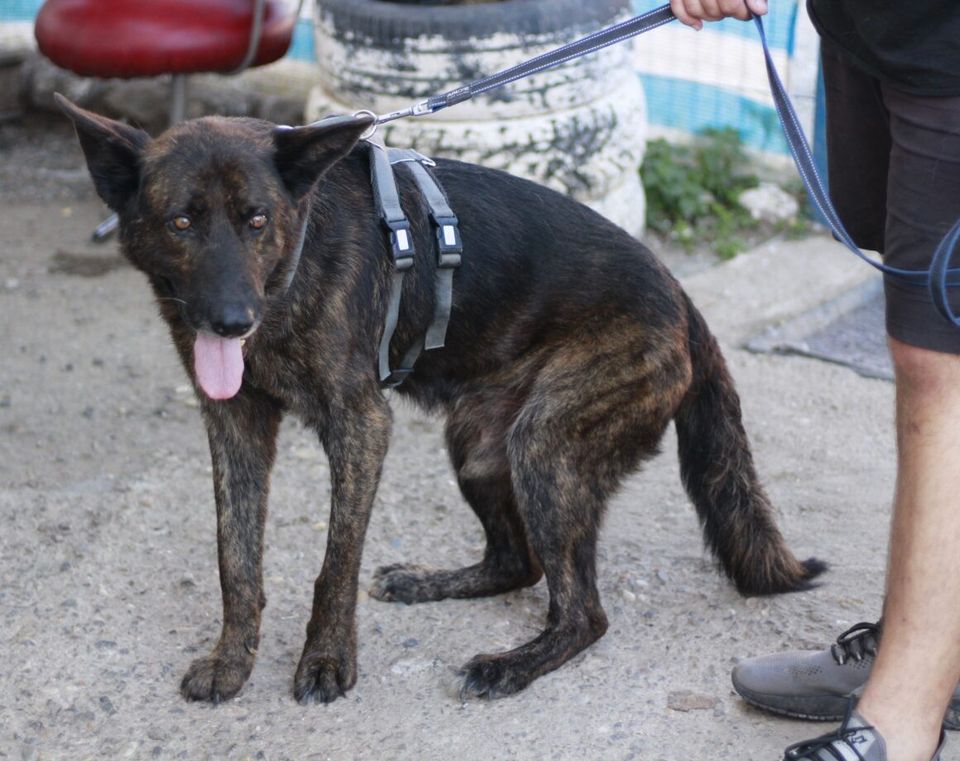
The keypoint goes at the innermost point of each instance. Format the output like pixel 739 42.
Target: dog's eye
pixel 258 221
pixel 181 223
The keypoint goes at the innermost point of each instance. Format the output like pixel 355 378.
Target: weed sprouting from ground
pixel 693 192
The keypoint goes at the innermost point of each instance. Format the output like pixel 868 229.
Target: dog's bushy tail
pixel 718 473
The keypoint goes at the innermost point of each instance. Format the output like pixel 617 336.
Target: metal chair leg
pixel 178 105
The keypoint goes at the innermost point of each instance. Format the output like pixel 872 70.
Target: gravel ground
pixel 108 571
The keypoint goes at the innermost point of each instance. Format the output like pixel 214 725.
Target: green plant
pixel 693 190
pixel 799 225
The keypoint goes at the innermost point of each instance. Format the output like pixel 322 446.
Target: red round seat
pixel 142 38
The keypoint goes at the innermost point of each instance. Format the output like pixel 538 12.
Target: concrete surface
pixel 849 330
pixel 108 571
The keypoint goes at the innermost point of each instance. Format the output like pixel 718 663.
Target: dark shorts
pixel 894 162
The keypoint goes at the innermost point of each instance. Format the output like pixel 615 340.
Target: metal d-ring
pixel 372 129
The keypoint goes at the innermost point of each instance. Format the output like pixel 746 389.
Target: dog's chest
pixel 300 379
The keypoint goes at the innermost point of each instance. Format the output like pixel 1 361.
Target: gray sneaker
pixel 815 684
pixel 854 740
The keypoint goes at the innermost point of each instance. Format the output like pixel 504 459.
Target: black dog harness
pixel 449 250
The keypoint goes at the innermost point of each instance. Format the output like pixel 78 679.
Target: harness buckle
pixel 401 244
pixel 396 377
pixel 449 244
pixel 408 155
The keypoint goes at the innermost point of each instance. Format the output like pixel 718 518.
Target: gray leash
pixel 938 278
pixel 589 44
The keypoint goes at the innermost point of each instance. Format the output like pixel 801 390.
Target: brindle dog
pixel 569 350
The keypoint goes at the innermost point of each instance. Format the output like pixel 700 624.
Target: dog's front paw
pixel 215 678
pixel 492 676
pixel 322 678
pixel 402 582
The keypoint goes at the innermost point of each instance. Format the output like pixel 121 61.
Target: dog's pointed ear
pixel 112 150
pixel 303 154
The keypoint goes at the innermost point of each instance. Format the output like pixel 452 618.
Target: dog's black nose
pixel 233 321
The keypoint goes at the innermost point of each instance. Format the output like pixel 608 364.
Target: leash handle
pixel 938 278
pixel 942 277
pixel 803 159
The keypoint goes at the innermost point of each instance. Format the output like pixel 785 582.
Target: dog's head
pixel 211 211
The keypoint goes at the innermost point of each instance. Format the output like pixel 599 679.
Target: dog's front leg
pixel 356 441
pixel 242 434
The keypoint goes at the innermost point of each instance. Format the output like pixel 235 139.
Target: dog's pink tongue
pixel 218 363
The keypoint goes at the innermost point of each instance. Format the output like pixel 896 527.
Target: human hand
pixel 695 12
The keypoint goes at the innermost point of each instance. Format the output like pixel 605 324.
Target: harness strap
pixel 449 244
pixel 387 199
pixel 449 251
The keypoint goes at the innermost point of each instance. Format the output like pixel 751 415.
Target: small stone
pixel 685 700
pixel 628 595
pixel 410 666
pixel 11 283
pixel 305 453
pixel 769 202
pixel 107 705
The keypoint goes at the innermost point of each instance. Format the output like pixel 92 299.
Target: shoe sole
pixel 821 707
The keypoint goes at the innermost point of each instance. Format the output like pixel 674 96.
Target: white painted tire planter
pixel 579 128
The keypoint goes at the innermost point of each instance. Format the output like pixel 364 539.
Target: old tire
pixel 578 128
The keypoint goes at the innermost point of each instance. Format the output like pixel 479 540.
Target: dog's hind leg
pixel 476 437
pixel 593 415
pixel 242 434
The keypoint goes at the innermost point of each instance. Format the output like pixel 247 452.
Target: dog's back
pixel 536 268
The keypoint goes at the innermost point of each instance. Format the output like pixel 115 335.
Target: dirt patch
pixel 85 265
pixel 42 160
